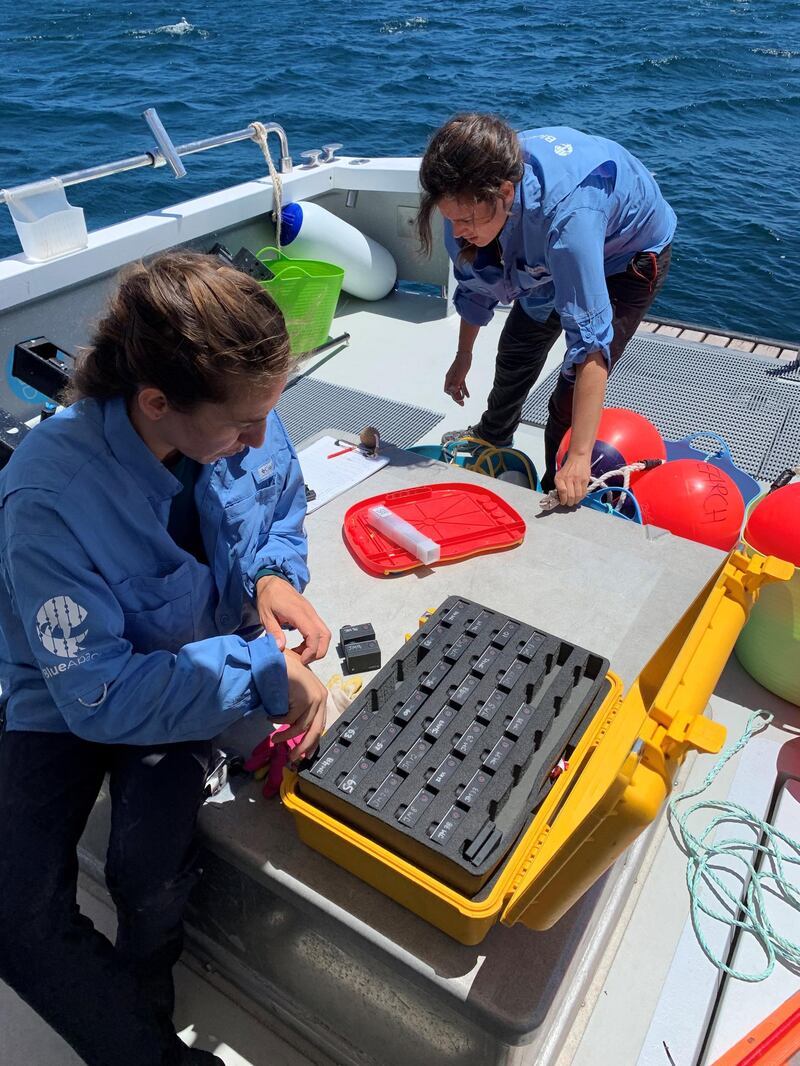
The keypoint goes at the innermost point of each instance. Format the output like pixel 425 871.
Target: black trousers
pixel 111 1003
pixel 524 345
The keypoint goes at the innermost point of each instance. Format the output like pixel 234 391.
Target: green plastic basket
pixel 306 291
pixel 769 645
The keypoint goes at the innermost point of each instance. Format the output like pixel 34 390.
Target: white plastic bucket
pixel 46 223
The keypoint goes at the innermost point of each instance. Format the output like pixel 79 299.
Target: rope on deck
pixel 762 865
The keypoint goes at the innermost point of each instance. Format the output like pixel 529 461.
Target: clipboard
pixel 331 467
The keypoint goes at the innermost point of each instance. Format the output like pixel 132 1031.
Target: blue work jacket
pixel 584 207
pixel 108 629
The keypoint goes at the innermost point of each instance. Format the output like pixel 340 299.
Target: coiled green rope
pixel 773 852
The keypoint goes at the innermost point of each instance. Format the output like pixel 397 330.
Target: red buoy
pixel 773 527
pixel 623 437
pixel 692 499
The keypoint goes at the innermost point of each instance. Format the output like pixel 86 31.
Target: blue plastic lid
pixel 291 221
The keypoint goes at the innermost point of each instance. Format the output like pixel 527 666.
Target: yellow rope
pixel 482 463
pixel 260 137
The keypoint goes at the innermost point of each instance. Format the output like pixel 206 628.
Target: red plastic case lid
pixel 465 519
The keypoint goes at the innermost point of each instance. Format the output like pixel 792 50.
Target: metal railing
pixel 167 152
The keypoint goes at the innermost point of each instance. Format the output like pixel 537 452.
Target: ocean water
pixel 706 92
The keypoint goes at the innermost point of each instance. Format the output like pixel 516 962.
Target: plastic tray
pixel 465 519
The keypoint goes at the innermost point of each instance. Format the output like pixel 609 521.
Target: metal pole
pixel 342 340
pixel 155 158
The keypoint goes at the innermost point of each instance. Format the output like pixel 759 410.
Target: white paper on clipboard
pixel 330 470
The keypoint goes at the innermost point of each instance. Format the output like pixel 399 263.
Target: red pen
pixel 333 455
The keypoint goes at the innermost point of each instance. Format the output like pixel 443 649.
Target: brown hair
pixel 469 157
pixel 188 325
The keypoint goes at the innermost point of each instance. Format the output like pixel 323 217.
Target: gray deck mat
pixel 754 403
pixel 785 451
pixel 309 405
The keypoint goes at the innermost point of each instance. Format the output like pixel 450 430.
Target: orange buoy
pixel 692 499
pixel 623 437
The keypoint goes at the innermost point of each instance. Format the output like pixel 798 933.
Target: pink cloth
pixel 274 755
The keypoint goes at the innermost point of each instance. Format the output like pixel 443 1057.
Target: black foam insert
pixel 447 752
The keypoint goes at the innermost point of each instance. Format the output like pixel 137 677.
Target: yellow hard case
pixel 618 779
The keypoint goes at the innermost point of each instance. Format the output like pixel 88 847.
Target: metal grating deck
pixel 785 451
pixel 309 405
pixel 754 403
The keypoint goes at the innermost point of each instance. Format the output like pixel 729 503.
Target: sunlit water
pixel 706 92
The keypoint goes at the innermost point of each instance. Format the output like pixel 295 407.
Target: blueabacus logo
pixel 60 626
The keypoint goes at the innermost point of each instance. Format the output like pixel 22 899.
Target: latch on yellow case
pixel 701 734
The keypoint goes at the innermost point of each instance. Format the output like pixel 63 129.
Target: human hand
pixel 572 480
pixel 270 756
pixel 279 603
pixel 455 380
pixel 308 700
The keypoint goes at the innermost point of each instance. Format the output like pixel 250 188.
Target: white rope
pixel 260 137
pixel 551 499
pixel 767 862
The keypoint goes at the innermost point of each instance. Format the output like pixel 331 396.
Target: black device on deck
pixel 355 633
pixel 244 260
pixel 42 365
pixel 358 648
pixel 450 748
pixel 361 655
pixel 222 253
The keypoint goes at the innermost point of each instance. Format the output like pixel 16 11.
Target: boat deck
pixel 325 969
pixel 401 347
pixel 737 342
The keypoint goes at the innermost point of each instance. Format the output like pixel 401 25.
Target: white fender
pixel 308 231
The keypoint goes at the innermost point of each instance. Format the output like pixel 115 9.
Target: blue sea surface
pixel 706 92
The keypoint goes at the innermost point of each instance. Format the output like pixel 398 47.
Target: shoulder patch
pixel 61 626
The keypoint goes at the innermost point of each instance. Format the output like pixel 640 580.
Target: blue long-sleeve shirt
pixel 584 207
pixel 110 630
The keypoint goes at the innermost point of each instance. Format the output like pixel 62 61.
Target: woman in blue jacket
pixel 573 231
pixel 149 534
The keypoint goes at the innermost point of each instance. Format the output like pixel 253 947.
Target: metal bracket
pixel 223 766
pixel 164 140
pixel 36 363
